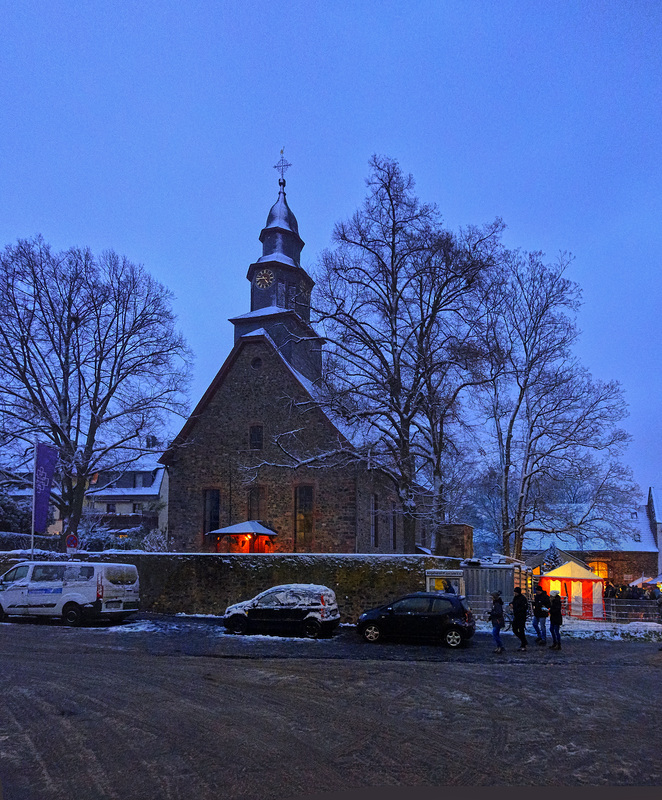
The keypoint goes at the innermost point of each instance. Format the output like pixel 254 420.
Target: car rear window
pixel 465 605
pixel 442 606
pixel 74 573
pixel 121 575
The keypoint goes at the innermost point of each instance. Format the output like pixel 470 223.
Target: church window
pixel 374 520
pixel 601 568
pixel 255 437
pixel 256 502
pixel 212 508
pixel 303 515
pixel 256 363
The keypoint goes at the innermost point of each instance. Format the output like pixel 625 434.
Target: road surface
pixel 172 708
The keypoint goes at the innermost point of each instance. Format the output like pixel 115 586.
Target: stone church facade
pixel 226 465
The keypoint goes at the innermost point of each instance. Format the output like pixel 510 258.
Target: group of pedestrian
pixel 625 592
pixel 544 606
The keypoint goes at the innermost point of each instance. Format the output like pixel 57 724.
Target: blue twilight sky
pixel 152 128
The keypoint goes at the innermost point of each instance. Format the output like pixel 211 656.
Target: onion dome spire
pixel 280 236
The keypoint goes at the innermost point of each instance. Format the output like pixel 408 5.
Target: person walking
pixel 520 606
pixel 555 618
pixel 541 603
pixel 497 619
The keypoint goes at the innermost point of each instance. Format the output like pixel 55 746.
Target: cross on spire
pixel 282 166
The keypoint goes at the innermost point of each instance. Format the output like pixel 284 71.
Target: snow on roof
pixel 571 570
pixel 281 258
pixel 139 491
pixel 622 541
pixel 307 384
pixel 249 526
pixel 268 311
pixel 657 504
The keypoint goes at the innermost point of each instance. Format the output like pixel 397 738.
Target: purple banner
pixel 44 467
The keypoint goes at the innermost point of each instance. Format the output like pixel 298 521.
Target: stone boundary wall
pixel 206 583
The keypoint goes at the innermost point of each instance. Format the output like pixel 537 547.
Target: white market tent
pixel 582 588
pixel 640 581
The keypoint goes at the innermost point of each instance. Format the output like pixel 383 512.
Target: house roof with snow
pixel 641 541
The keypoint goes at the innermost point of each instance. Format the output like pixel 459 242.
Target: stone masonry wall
pixel 206 583
pixel 257 388
pixel 455 540
pixel 624 564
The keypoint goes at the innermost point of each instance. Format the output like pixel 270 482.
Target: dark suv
pixel 423 615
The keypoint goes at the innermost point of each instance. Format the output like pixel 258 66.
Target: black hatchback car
pixel 434 616
pixel 306 609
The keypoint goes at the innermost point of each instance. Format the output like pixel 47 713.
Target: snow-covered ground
pixel 572 628
pixel 594 629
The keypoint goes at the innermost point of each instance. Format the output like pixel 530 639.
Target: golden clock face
pixel 264 279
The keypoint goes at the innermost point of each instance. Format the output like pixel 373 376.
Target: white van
pixel 74 591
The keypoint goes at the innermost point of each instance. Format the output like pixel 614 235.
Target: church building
pixel 231 463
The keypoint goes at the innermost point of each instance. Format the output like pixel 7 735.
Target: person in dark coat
pixel 555 618
pixel 541 603
pixel 497 619
pixel 520 606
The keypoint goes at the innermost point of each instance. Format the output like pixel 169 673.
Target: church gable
pixel 257 386
pixel 256 398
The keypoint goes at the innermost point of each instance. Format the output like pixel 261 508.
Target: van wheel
pixel 312 628
pixel 72 615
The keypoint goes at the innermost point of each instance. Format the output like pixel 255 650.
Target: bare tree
pixel 90 361
pixel 456 362
pixel 381 295
pixel 552 424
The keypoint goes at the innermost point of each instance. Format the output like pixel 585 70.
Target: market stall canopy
pixel 244 528
pixel 581 588
pixel 573 571
pixel 641 581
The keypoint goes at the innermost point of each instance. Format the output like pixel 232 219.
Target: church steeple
pixel 277 278
pixel 280 290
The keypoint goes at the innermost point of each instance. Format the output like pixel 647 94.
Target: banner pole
pixel 34 499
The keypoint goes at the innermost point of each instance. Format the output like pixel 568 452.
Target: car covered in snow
pixel 301 609
pixel 436 616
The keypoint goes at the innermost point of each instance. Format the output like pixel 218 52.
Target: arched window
pixel 303 516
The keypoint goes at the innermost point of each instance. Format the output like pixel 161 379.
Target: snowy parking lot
pixel 173 707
